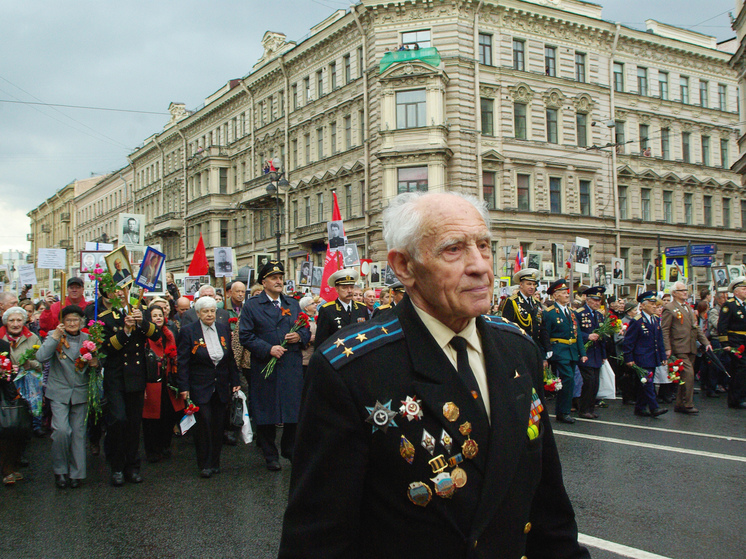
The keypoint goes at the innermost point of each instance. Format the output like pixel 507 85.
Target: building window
pixel 622 202
pixel 550 61
pixel 706 151
pixel 488 116
pixel 488 183
pixel 348 132
pixel 743 214
pixel 361 125
pixel 307 138
pixel 319 143
pixel 624 255
pixel 519 61
pixel 319 207
pixel 294 144
pixel 684 89
pixel 581 124
pixel 645 204
pixel 555 195
pixel 668 206
pixel 410 109
pixel 333 137
pixel 281 102
pixel 223 181
pixel 644 141
pixel 294 93
pixel 552 135
pixel 642 81
pixel 308 210
pixel 619 137
pixel 360 62
pixel 722 97
pixel 411 179
pixel 665 143
pixel 420 39
pixel 485 49
pixel 262 225
pixel 348 201
pixel 585 197
pixel 295 214
pixel 523 192
pixel 348 68
pixel 306 89
pixel 726 213
pixel 688 208
pixel 724 153
pixel 519 115
pixel 707 205
pixel 319 84
pixel 704 98
pixel 579 67
pixel 332 76
pixel 685 151
pixel 618 76
pixel 663 85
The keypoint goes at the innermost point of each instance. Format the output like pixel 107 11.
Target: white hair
pixel 205 303
pixel 402 219
pixel 14 310
pixel 680 285
pixel 204 288
pixel 304 302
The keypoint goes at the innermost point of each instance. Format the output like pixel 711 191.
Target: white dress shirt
pixel 212 341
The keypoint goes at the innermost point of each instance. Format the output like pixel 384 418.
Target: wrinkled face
pixel 562 296
pixel 238 292
pixel 739 292
pixel 156 315
pixel 207 315
pixel 274 284
pixel 679 293
pixel 632 312
pixel 15 324
pixel 527 287
pixel 648 307
pixel 370 299
pixel 72 324
pixel 208 292
pixel 182 306
pixel 594 303
pixel 311 309
pixel 345 292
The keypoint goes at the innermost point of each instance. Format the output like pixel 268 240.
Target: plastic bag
pixel 247 435
pixel 606 382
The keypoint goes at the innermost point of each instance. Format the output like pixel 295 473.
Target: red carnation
pixel 83 351
pixel 84 330
pixel 741 348
pixel 233 320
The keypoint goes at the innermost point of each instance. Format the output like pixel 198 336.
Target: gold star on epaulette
pixel 384 330
pixel 487 318
pixel 348 351
pixel 361 337
pixel 339 342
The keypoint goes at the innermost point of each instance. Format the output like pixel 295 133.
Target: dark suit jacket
pixel 643 343
pixel 588 321
pixel 196 371
pixel 349 485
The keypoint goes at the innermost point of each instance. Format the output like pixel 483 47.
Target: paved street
pixel 674 493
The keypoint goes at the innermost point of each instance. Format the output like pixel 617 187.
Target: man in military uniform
pixel 343 310
pixel 525 311
pixel 732 323
pixel 224 265
pixel 424 433
pixel 397 294
pixel 567 346
pixel 590 319
pixel 644 347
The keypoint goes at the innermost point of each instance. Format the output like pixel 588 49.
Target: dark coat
pixel 529 317
pixel 332 317
pixel 275 399
pixel 349 485
pixel 588 321
pixel 196 371
pixel 643 343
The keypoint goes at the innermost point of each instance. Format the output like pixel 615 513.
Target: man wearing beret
pixel 567 346
pixel 264 326
pixel 522 308
pixel 343 310
pixel 732 329
pixel 590 319
pixel 424 433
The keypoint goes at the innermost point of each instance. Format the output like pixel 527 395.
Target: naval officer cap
pixel 647 296
pixel 595 292
pixel 740 281
pixel 527 274
pixel 398 287
pixel 345 276
pixel 557 285
pixel 271 268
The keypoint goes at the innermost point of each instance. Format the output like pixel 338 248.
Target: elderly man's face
pixel 739 292
pixel 344 292
pixel 238 292
pixel 182 306
pixel 527 287
pixel 208 292
pixel 370 299
pixel 562 296
pixel 11 301
pixel 274 284
pixel 594 303
pixel 452 277
pixel 680 293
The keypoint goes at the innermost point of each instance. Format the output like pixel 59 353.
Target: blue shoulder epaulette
pixel 504 325
pixel 341 350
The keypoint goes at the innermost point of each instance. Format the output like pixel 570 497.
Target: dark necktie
pixel 276 304
pixel 464 370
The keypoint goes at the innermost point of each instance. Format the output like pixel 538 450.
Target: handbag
pixel 236 411
pixel 15 419
pixel 152 367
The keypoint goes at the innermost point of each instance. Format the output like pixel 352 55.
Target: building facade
pixel 98 208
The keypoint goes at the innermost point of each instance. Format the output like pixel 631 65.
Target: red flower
pixel 233 320
pixel 741 349
pixel 83 351
pixel 84 330
pixel 170 351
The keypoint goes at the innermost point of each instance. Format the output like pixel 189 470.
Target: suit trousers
pixel 68 439
pixel 265 438
pixel 685 395
pixel 208 432
pixel 589 390
pixel 565 370
pixel 123 430
pixel 646 393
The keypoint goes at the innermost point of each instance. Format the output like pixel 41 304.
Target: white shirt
pixel 212 342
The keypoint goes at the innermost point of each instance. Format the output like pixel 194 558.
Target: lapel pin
pixel 411 408
pixel 381 416
pixel 406 449
pixel 451 411
pixel 428 442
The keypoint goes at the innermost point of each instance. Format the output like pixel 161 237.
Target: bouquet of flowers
pixel 738 353
pixel 105 282
pixel 610 326
pixel 28 355
pixel 6 366
pixel 551 382
pixel 300 322
pixel 642 374
pixel 674 366
pixel 191 409
pixel 91 349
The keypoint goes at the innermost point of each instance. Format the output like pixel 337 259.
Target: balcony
pixel 46 228
pixel 65 217
pixel 310 233
pixel 29 236
pixel 205 154
pixel 66 243
pixel 428 56
pixel 170 223
pixel 255 194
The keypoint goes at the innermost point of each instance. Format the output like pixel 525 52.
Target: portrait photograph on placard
pixel 350 255
pixel 89 260
pixel 558 257
pixel 375 273
pixel 639 291
pixel 223 262
pixel 534 260
pixel 734 271
pixel 599 274
pixel 118 264
pixel 649 273
pixel 547 270
pixel 261 260
pixel 316 275
pixel 150 269
pixel 306 270
pixel 617 271
pixel 335 230
pixel 132 230
pixel 720 277
pixel 582 255
pixel 389 276
pixel 191 285
pixel 608 282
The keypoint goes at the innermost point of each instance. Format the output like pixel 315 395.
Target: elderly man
pixel 732 323
pixel 524 310
pixel 424 433
pixel 8 299
pixel 680 335
pixel 369 298
pixel 50 316
pixel 190 316
pixel 590 319
pixel 343 310
pixel 264 329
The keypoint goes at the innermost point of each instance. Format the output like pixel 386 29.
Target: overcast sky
pixel 140 56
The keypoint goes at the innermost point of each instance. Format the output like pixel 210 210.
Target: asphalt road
pixel 670 487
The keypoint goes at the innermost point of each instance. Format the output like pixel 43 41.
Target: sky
pixel 137 57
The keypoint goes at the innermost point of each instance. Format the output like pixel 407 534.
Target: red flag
pixel 519 262
pixel 199 265
pixel 336 216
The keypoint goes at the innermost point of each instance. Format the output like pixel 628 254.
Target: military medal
pixel 406 449
pixel 458 475
pixel 381 416
pixel 444 486
pixel 419 493
pixel 428 442
pixel 470 447
pixel 446 441
pixel 451 411
pixel 411 408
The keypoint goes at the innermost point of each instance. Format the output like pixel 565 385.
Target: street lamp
pixel 276 175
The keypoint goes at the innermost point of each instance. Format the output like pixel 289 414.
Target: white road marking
pixel 654 446
pixel 707 435
pixel 619 549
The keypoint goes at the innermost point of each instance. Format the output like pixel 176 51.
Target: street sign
pixel 700 261
pixel 676 251
pixel 699 250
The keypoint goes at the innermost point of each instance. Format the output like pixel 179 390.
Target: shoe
pixel 205 473
pixel 60 481
pixel 688 411
pixel 643 413
pixel 229 438
pixel 134 477
pixel 720 389
pixel 74 483
pixel 17 475
pixel 658 411
pixel 23 462
pixel 95 449
pixel 274 465
pixel 117 479
pixel 214 471
pixel 587 415
pixel 565 418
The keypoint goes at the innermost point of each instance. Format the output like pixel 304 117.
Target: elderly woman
pixel 67 391
pixel 207 374
pixel 309 304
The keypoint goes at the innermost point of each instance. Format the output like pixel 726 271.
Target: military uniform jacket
pixel 680 329
pixel 527 315
pixel 350 482
pixel 567 344
pixel 332 317
pixel 589 320
pixel 643 343
pixel 125 366
pixel 732 323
